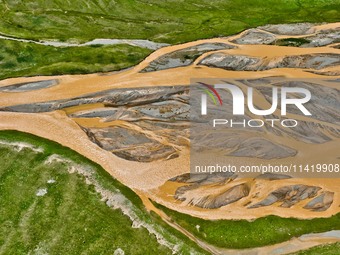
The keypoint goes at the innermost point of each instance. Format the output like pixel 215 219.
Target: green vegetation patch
pixel 44 209
pixel 240 234
pixel 29 59
pixel 170 21
pixel 294 42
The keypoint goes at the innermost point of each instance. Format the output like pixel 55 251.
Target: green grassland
pixel 70 218
pixel 28 59
pixel 328 249
pixel 171 21
pixel 294 42
pixel 240 234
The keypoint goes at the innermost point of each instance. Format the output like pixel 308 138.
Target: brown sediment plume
pixel 152 178
pixel 77 85
pixel 259 190
pixel 58 127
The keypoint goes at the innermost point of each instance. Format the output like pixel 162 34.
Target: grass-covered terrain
pixel 294 42
pixel 28 59
pixel 241 234
pixel 70 218
pixel 328 249
pixel 171 21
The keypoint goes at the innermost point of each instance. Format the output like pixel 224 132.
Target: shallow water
pixel 100 41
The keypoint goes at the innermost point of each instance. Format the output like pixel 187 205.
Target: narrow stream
pixel 133 42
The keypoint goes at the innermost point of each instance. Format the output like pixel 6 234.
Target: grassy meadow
pixel 70 218
pixel 28 59
pixel 241 234
pixel 169 21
